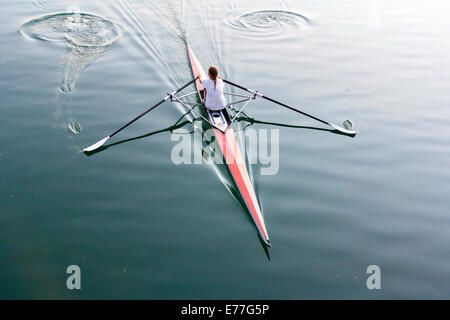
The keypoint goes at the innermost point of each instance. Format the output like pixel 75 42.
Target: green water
pixel 140 226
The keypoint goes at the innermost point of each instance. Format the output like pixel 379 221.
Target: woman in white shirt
pixel 215 100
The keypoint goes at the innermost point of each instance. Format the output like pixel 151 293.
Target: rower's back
pixel 215 99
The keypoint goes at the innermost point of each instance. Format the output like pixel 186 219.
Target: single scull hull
pixel 232 155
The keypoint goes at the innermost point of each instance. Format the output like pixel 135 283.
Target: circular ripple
pixel 82 29
pixel 267 22
pixel 88 36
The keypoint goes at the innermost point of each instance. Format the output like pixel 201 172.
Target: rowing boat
pixel 221 124
pixel 231 152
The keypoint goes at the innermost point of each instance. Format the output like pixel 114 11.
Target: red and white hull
pixel 233 157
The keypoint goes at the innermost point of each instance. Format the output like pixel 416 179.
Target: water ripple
pixel 42 4
pixel 267 22
pixel 74 127
pixel 88 37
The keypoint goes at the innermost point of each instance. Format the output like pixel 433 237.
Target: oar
pixel 101 142
pixel 340 129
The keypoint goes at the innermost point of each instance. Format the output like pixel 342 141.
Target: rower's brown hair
pixel 213 73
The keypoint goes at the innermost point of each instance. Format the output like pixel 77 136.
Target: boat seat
pixel 218 118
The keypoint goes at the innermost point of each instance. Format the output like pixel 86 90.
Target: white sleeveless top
pixel 215 100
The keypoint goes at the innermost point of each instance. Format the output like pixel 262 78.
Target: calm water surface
pixel 140 226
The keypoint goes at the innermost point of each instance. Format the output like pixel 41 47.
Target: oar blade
pixel 346 131
pixel 96 145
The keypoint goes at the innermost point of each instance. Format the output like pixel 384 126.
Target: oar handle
pixel 275 101
pixel 151 108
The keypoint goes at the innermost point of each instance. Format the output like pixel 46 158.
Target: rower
pixel 215 99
